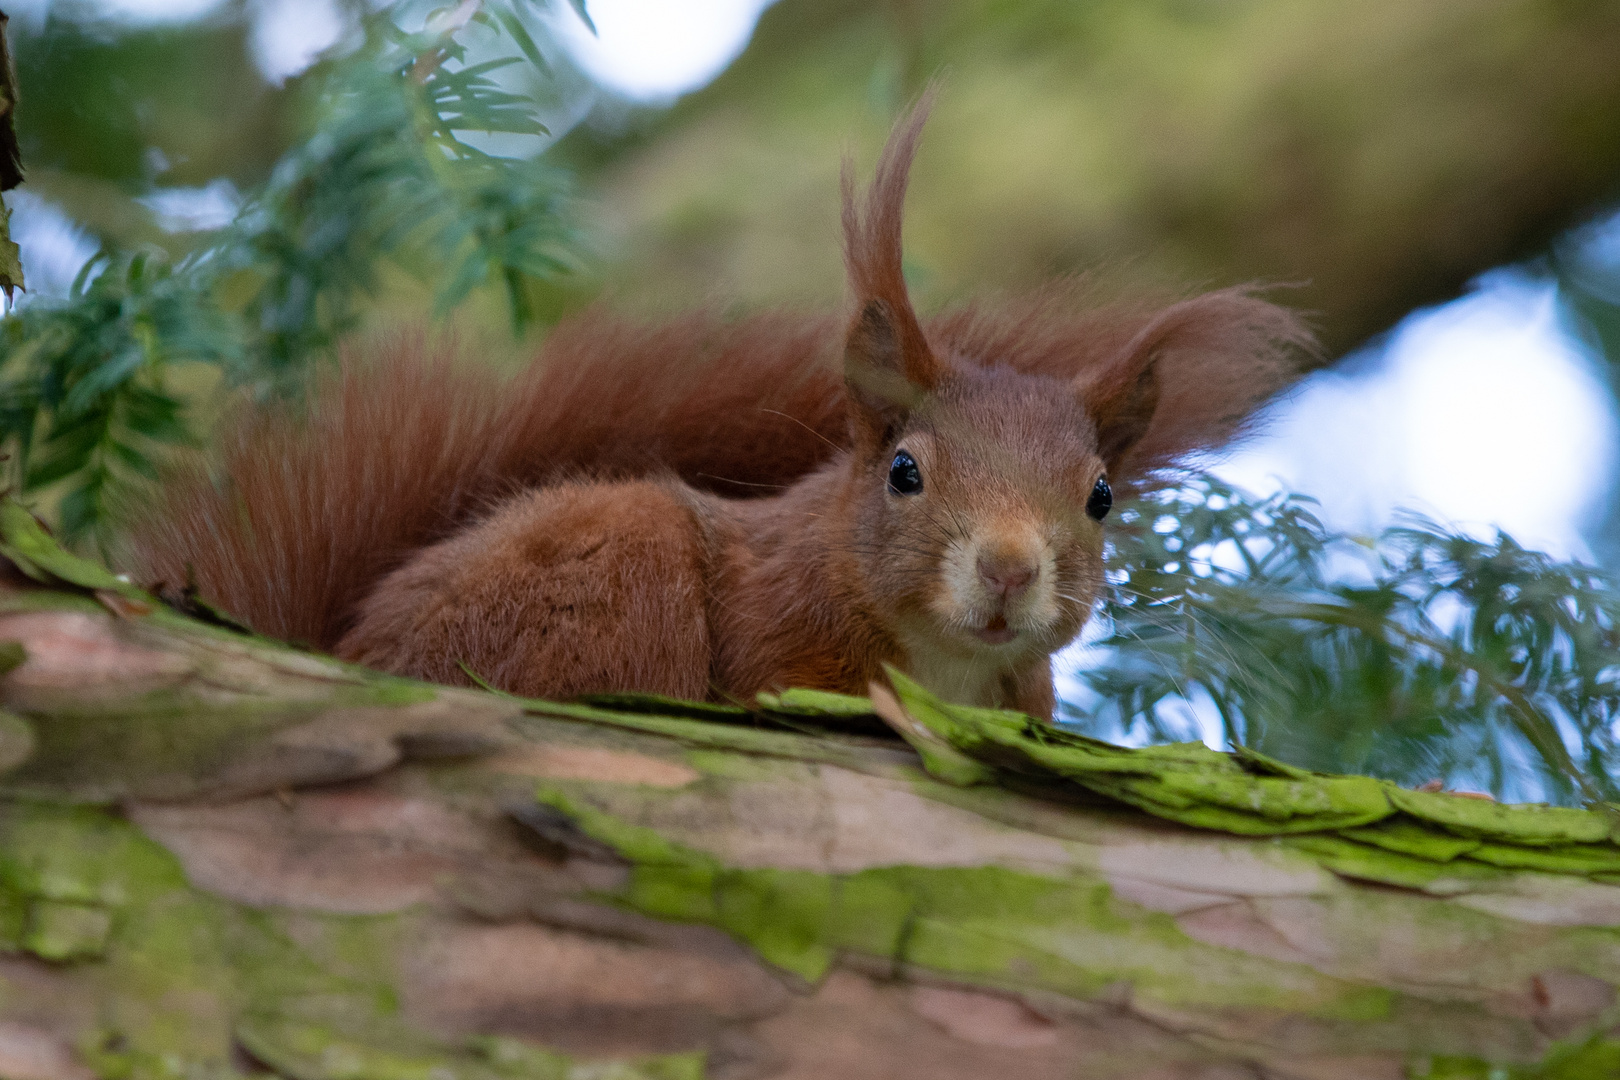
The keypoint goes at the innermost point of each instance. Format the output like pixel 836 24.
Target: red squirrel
pixel 709 509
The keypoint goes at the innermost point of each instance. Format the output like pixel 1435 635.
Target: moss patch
pixel 178 978
pixel 319 1052
pixel 990 925
pixel 710 735
pixel 1594 1059
pixel 1359 827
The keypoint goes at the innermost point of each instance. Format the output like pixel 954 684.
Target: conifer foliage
pixel 386 174
pixel 1419 655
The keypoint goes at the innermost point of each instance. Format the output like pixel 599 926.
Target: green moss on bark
pixel 990 925
pixel 177 978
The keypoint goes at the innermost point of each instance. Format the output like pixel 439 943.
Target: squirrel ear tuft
pixel 1190 379
pixel 887 358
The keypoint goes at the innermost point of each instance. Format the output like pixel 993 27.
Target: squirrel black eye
pixel 904 476
pixel 1101 500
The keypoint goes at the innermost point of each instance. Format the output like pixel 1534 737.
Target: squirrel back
pixel 302 506
pixel 306 507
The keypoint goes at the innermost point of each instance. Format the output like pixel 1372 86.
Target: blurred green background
pixel 1435 181
pixel 1381 155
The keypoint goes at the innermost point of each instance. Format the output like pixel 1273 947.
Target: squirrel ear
pixel 1122 408
pixel 887 362
pixel 875 372
pixel 1210 360
pixel 1122 398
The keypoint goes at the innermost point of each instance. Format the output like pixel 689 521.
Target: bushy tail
pixel 305 507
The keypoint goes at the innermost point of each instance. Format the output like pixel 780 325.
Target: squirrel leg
pixel 563 590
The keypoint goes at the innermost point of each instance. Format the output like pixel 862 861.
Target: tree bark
pixel 223 857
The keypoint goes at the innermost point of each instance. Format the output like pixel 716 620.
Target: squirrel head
pixel 981 491
pixel 979 487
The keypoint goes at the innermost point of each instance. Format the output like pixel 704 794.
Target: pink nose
pixel 1006 577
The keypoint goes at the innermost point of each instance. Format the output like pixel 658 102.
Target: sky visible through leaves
pixel 1484 413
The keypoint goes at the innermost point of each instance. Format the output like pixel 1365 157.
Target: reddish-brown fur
pixel 389 518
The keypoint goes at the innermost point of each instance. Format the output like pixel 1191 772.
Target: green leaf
pixel 156 415
pixel 95 385
pixel 65 454
pixel 26 543
pixel 134 459
pixel 515 29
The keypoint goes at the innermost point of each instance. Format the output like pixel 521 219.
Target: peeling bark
pixel 222 857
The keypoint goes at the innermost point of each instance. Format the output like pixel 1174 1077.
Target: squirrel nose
pixel 1007 577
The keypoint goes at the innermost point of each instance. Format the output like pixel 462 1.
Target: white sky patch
pixel 655 50
pixel 156 11
pixel 195 209
pixel 288 35
pixel 54 248
pixel 1481 413
pixel 647 50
